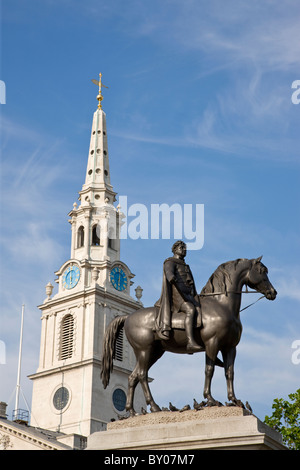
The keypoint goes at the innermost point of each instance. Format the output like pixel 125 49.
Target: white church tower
pixel 93 288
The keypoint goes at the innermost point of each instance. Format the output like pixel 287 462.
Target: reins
pixel 252 302
pixel 232 292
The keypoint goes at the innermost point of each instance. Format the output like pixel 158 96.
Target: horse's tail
pixel 108 350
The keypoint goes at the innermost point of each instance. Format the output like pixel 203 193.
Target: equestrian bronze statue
pixel 214 316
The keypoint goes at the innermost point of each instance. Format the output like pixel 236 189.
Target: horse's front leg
pixel 210 359
pixel 228 358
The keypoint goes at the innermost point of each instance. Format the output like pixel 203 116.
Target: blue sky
pixel 199 111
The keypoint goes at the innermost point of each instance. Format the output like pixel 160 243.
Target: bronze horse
pixel 220 330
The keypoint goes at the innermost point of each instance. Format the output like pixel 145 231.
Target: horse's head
pixel 258 279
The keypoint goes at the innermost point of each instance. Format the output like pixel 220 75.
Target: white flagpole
pixel 19 364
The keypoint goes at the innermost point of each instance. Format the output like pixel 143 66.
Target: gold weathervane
pixel 100 84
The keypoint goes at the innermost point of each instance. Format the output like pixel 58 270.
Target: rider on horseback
pixel 178 295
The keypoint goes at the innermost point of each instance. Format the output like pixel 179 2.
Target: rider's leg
pixel 189 309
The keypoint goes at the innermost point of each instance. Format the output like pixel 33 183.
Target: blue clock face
pixel 71 276
pixel 118 278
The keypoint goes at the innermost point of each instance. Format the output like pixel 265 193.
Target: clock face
pixel 71 276
pixel 118 278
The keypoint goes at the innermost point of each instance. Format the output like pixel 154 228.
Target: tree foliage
pixel 286 419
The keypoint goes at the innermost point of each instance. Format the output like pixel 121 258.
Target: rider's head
pixel 179 245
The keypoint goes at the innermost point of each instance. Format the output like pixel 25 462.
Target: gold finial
pixel 100 84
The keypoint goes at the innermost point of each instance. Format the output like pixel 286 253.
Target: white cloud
pixel 267 363
pixel 289 288
pixel 266 33
pixel 33 241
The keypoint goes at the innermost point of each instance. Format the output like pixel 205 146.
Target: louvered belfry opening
pixel 67 337
pixel 118 353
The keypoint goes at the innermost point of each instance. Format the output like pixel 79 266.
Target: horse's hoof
pixel 210 403
pixel 238 403
pixel 213 402
pixel 155 409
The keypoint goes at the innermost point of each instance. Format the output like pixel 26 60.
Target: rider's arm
pixel 169 268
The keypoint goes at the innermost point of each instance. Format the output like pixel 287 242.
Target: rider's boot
pixel 191 346
pixel 163 334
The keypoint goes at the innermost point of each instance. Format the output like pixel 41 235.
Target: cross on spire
pixel 100 84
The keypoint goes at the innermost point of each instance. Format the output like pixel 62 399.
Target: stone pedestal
pixel 210 428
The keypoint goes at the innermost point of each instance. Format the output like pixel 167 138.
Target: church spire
pixel 95 223
pixel 97 187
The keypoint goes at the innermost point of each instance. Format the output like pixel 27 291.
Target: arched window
pixel 80 237
pixel 96 235
pixel 66 349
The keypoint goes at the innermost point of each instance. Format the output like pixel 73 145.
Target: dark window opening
pixel 95 236
pixel 80 237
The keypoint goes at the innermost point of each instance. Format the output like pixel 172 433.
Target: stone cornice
pixel 83 296
pixel 86 362
pixel 33 438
